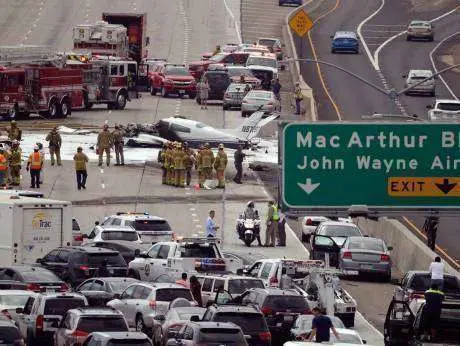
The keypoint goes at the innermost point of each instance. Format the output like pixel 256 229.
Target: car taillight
pixel 85 269
pixel 33 287
pixel 266 310
pixel 347 254
pixel 309 222
pixel 175 326
pixel 265 336
pixel 39 323
pixel 245 101
pixel 384 258
pixel 79 333
pixel 227 95
pixel 6 313
pixel 78 237
pixel 409 30
pixel 273 281
pixel 64 288
pixel 153 304
pixel 270 104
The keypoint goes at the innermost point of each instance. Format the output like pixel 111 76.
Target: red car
pixel 172 79
pixel 197 68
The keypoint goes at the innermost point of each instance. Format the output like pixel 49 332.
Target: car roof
pixel 345 34
pixel 89 249
pixel 417 21
pixel 420 72
pixel 160 284
pixel 227 276
pixel 338 223
pixel 209 324
pixel 62 294
pixel 425 272
pixel 118 229
pixel 90 310
pixel 447 101
pixel 121 335
pixel 24 267
pixel 364 238
pixel 126 243
pixel 237 308
pixel 276 291
pixel 135 216
pixel 196 309
pixel 17 292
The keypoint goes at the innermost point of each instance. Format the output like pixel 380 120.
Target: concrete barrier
pixel 409 252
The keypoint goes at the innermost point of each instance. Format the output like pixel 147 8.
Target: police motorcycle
pixel 248 226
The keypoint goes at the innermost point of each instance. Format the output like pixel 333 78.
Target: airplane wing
pixel 251 126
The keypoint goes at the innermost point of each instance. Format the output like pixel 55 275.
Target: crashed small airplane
pixel 197 133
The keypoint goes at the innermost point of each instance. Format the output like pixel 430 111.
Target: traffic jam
pixel 132 279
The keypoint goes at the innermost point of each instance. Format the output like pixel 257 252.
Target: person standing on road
pixel 34 164
pixel 431 229
pixel 272 225
pixel 3 166
pixel 281 229
pixel 204 92
pixel 80 168
pixel 183 281
pixel 14 132
pixel 207 162
pixel 298 97
pixel 117 138
pixel 432 309
pixel 169 164
pixel 220 164
pixel 199 165
pixel 180 165
pixel 211 227
pixel 238 161
pixel 437 272
pixel 15 161
pixel 162 160
pixel 42 153
pixel 104 143
pixel 320 327
pixel 195 289
pixel 277 89
pixel 55 142
pixel 189 161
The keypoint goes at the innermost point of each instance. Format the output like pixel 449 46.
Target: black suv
pixel 416 282
pixel 218 80
pixel 280 307
pixel 249 318
pixel 75 264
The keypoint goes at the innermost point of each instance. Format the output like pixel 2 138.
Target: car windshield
pixel 236 87
pixel 366 244
pixel 422 283
pixel 59 306
pixel 341 231
pixel 238 71
pixel 150 225
pixel 18 300
pixel 449 106
pixel 419 77
pixel 185 316
pixel 39 276
pixel 266 42
pixel 261 61
pixel 257 94
pixel 347 339
pixel 425 24
pixel 169 294
pixel 221 336
pixel 176 71
pixel 246 321
pixel 238 286
pixel 286 302
pixel 304 323
pixel 199 251
pixel 217 78
pixel 119 286
pixel 217 57
pixel 119 235
pixel 95 260
pixel 9 335
pixel 91 324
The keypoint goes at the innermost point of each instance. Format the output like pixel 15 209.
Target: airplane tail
pixel 251 126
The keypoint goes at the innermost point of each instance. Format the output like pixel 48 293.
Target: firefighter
pixel 14 133
pixel 207 162
pixel 15 163
pixel 199 165
pixel 104 143
pixel 55 142
pixel 117 137
pixel 220 164
pixel 169 164
pixel 179 166
pixel 3 166
pixel 162 160
pixel 189 161
pixel 35 164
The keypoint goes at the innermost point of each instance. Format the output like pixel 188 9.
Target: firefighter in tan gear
pixel 162 160
pixel 189 162
pixel 3 166
pixel 55 142
pixel 207 161
pixel 198 164
pixel 35 164
pixel 180 165
pixel 220 164
pixel 169 164
pixel 14 132
pixel 117 137
pixel 15 160
pixel 104 143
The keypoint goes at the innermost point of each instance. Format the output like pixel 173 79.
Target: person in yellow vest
pixel 189 161
pixel 15 161
pixel 172 164
pixel 179 166
pixel 271 233
pixel 162 160
pixel 14 132
pixel 104 144
pixel 3 166
pixel 198 165
pixel 80 168
pixel 117 137
pixel 34 164
pixel 207 162
pixel 55 142
pixel 220 164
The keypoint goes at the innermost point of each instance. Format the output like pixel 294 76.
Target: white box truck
pixel 32 227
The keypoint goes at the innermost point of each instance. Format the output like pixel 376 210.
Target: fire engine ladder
pixel 41 55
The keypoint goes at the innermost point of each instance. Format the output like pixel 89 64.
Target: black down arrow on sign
pixel 446 187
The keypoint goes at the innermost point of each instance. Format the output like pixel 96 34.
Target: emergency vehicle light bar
pixel 201 240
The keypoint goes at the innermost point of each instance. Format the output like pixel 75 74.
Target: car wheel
pixel 164 93
pixel 387 277
pixel 333 51
pixel 140 325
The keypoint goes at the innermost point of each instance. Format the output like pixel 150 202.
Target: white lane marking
pixel 237 27
pixel 360 26
pixel 434 64
pixel 378 50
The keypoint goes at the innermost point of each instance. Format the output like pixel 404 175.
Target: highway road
pixel 389 57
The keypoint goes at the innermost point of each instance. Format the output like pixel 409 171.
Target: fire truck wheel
pixel 121 101
pixel 65 109
pixel 53 109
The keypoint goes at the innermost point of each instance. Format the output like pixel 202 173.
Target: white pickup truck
pixel 444 110
pixel 189 255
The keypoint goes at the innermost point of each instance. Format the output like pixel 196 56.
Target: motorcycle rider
pixel 250 213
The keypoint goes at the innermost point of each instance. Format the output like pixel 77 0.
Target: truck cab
pixel 12 102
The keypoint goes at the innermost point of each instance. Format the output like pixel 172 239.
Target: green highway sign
pixel 381 165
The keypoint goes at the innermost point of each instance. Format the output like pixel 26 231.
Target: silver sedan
pixel 366 255
pixel 234 95
pixel 259 100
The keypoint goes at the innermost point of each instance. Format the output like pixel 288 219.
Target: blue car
pixel 345 41
pixel 290 2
